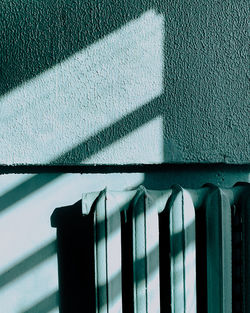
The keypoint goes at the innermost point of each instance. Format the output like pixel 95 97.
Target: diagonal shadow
pixel 87 148
pixel 62 216
pixel 29 39
pixel 58 49
pixel 92 145
pixel 162 264
pixel 45 305
pixel 113 132
pixel 26 188
pixel 139 263
pixel 28 263
pixel 76 244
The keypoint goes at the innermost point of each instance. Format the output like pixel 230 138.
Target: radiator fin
pixel 152 252
pixel 100 236
pixel 114 269
pixel 219 252
pixel 146 206
pixel 127 253
pixel 107 238
pixel 182 251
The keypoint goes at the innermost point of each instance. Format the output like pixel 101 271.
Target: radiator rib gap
pixel 201 259
pixel 127 261
pixel 245 206
pixel 164 250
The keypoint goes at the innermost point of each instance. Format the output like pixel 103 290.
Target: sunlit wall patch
pixel 142 145
pixel 82 95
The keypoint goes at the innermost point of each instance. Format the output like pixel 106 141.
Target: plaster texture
pixel 122 82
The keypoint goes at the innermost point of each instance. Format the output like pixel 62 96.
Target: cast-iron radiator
pixel 177 250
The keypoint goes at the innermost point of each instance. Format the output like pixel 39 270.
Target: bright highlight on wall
pixel 90 91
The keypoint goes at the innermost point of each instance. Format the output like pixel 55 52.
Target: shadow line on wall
pixel 92 145
pixel 28 263
pixel 37 35
pixel 45 305
pixel 86 149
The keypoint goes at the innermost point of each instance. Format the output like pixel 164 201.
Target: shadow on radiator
pixel 75 244
pixel 75 247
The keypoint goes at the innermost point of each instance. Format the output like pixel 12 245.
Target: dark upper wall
pixel 123 82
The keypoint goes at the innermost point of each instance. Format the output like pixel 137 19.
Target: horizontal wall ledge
pixel 126 168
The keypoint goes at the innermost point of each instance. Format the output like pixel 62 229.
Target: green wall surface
pixel 110 82
pixel 122 82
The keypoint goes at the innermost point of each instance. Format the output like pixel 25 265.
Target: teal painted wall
pixel 110 82
pixel 115 82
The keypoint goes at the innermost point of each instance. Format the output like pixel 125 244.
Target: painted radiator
pixel 177 250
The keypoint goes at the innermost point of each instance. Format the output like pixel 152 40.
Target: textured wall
pixel 123 81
